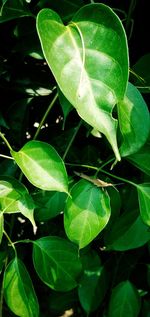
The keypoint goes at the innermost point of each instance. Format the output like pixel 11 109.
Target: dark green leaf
pixel 2 259
pixel 42 165
pixel 141 159
pixel 142 68
pixel 13 9
pixel 144 202
pixel 91 73
pixel 49 204
pixel 1 225
pixel 57 263
pixel 18 290
pixel 128 232
pixel 134 121
pixel 87 212
pixel 65 105
pixel 124 301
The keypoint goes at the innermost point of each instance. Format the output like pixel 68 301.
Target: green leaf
pixel 13 9
pixel 65 105
pixel 81 54
pixel 134 121
pixel 3 256
pixel 42 165
pixel 86 213
pixel 141 159
pixel 124 301
pixel 57 263
pixel 142 68
pixel 14 198
pixel 49 204
pixel 94 275
pixel 19 293
pixel 128 232
pixel 144 202
pixel 1 226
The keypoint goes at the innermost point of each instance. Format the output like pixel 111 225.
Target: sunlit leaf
pixel 124 301
pixel 42 165
pixel 87 212
pixel 57 263
pixel 91 73
pixel 18 290
pixel 144 202
pixel 134 121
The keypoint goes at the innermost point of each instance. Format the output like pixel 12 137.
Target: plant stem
pixel 11 243
pixel 131 8
pixel 5 140
pixel 45 116
pixel 83 165
pixel 72 139
pixel 6 156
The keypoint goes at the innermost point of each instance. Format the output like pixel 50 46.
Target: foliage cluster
pixel 74 161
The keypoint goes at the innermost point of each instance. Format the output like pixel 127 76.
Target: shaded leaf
pixel 144 202
pixel 80 54
pixel 141 159
pixel 19 293
pixel 124 301
pixel 3 256
pixel 134 121
pixel 86 213
pixel 142 68
pixel 57 263
pixel 42 165
pixel 65 105
pixel 128 232
pixel 13 9
pixel 1 225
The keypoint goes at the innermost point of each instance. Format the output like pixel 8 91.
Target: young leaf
pixel 19 293
pixel 141 159
pixel 144 202
pixel 86 213
pixel 91 73
pixel 128 232
pixel 57 263
pixel 124 301
pixel 1 225
pixel 14 198
pixel 134 121
pixel 42 165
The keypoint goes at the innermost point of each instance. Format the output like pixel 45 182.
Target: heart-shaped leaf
pixel 42 165
pixel 124 301
pixel 144 202
pixel 86 213
pixel 19 293
pixel 57 263
pixel 134 121
pixel 89 59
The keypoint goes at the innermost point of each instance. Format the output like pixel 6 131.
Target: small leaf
pixel 144 202
pixel 86 213
pixel 141 159
pixel 19 293
pixel 134 121
pixel 42 165
pixel 91 73
pixel 1 225
pixel 124 301
pixel 49 204
pixel 14 198
pixel 128 232
pixel 57 263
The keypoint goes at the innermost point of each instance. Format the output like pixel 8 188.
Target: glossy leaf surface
pixel 80 54
pixel 87 212
pixel 134 121
pixel 124 301
pixel 57 263
pixel 19 293
pixel 144 202
pixel 42 165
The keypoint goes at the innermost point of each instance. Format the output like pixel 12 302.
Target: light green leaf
pixel 86 213
pixel 124 301
pixel 128 232
pixel 134 121
pixel 49 204
pixel 14 198
pixel 89 59
pixel 42 165
pixel 141 159
pixel 57 263
pixel 19 293
pixel 1 225
pixel 144 202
